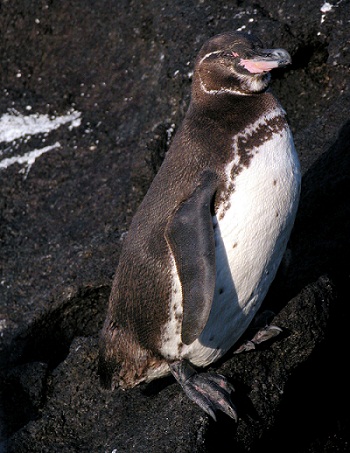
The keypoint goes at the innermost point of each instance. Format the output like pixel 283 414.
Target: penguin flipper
pixel 190 235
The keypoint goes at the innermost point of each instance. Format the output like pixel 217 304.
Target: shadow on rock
pixel 28 361
pixel 320 241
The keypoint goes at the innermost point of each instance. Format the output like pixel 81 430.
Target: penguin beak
pixel 266 60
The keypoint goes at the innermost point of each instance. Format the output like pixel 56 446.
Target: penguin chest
pixel 251 228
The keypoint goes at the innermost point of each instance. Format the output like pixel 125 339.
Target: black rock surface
pixel 117 76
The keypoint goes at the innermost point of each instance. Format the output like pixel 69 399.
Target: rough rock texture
pixel 126 67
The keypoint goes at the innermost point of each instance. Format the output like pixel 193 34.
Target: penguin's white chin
pixel 256 83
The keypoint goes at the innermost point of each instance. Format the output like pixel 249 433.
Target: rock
pixel 95 94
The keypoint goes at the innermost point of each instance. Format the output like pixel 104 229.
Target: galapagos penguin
pixel 208 238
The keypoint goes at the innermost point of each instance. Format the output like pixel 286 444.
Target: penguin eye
pixel 231 54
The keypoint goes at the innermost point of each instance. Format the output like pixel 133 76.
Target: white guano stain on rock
pixel 327 7
pixel 27 159
pixel 14 126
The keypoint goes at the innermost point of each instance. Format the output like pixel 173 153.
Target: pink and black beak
pixel 265 60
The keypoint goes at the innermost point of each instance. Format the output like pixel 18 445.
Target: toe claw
pixel 266 334
pixel 209 390
pixel 247 346
pixel 262 335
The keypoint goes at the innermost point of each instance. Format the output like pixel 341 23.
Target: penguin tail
pixel 107 365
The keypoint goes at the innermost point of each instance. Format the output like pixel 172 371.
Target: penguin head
pixel 236 63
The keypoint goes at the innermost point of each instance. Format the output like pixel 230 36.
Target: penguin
pixel 207 239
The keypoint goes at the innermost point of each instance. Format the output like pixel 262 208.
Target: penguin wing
pixel 190 235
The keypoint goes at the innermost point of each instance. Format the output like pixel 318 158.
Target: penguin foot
pixel 266 334
pixel 210 391
pixel 262 335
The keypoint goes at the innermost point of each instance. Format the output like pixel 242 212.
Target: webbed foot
pixel 210 391
pixel 262 335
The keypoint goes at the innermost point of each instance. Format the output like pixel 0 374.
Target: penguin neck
pixel 210 84
pixel 222 98
pixel 226 100
pixel 230 112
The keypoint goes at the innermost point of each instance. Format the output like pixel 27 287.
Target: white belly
pixel 251 230
pixel 251 234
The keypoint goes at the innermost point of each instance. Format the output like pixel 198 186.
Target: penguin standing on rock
pixel 208 238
